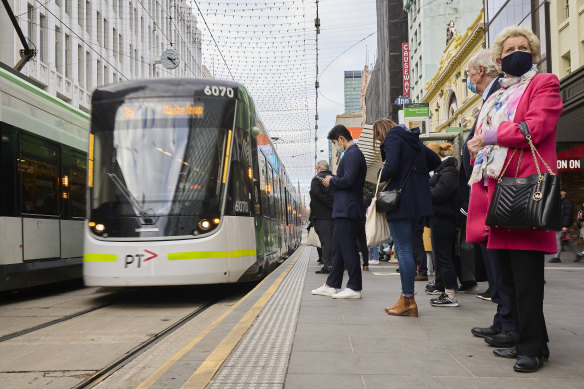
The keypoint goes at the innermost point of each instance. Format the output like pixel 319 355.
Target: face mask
pixel 472 87
pixel 339 148
pixel 517 63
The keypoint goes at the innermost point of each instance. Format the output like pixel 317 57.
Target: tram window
pixel 8 172
pixel 239 186
pixel 74 178
pixel 38 167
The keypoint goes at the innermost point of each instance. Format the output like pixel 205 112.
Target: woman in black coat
pixel 407 163
pixel 446 206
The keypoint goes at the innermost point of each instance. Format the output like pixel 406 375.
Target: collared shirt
pixel 487 89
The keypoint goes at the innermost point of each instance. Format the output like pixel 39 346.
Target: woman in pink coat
pixel 534 98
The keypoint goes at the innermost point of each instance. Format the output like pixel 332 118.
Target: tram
pixel 43 154
pixel 184 187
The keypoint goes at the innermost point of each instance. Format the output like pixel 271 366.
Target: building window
pixel 105 75
pixel 115 44
pixel 80 14
pixel 88 72
pixel 80 62
pixel 99 28
pixel 68 55
pixel 58 50
pixel 105 34
pixel 68 7
pixel 31 24
pixel 88 16
pixel 566 64
pixel 99 73
pixel 120 49
pixel 43 38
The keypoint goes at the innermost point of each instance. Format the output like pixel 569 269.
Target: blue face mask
pixel 472 87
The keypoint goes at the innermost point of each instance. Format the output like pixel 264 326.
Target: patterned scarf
pixel 499 107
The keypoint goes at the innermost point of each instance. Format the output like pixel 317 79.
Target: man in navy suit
pixel 348 211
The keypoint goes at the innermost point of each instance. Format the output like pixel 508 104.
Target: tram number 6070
pixel 218 91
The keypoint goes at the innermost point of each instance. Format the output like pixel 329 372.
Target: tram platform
pixel 282 336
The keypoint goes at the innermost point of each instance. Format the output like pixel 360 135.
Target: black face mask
pixel 517 63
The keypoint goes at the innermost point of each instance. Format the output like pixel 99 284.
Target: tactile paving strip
pixel 260 360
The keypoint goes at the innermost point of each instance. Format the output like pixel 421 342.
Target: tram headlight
pixel 99 228
pixel 204 224
pixel 216 221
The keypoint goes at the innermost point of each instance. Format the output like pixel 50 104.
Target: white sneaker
pixel 374 262
pixel 324 291
pixel 347 294
pixel 387 250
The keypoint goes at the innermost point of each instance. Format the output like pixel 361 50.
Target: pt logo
pixel 137 259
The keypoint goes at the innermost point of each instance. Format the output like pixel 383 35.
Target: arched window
pixel 452 105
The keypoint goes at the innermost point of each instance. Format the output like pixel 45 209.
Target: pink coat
pixel 540 107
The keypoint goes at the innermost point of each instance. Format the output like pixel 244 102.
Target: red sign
pixel 152 255
pixel 406 68
pixel 571 160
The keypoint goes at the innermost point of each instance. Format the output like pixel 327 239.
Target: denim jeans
pixel 373 253
pixel 402 232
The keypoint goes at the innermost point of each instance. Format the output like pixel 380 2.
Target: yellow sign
pixel 180 110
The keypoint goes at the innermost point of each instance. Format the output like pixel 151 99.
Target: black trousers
pixel 324 229
pixel 443 238
pixel 345 253
pixel 523 275
pixel 418 249
pixel 503 319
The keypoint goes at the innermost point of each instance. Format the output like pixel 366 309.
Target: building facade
pixel 432 24
pixel 84 44
pixel 386 83
pixel 451 103
pixel 353 85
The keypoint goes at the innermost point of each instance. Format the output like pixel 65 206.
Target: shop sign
pixel 406 68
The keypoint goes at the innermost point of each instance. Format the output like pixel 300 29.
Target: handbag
pixel 531 202
pixel 388 201
pixel 376 226
pixel 312 239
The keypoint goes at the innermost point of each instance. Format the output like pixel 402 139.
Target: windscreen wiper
pixel 144 216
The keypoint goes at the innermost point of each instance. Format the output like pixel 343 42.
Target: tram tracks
pixel 120 362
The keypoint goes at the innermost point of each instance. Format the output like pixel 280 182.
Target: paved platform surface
pixel 355 344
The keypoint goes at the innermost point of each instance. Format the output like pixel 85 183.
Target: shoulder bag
pixel 388 201
pixel 526 203
pixel 376 227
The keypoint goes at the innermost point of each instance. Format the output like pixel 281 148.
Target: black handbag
pixel 531 202
pixel 388 201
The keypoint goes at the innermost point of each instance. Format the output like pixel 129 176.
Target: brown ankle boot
pixel 405 306
pixel 399 302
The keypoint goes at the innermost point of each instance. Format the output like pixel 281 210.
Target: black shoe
pixel 486 295
pixel 324 270
pixel 578 258
pixel 484 332
pixel 470 287
pixel 511 352
pixel 432 286
pixel 504 339
pixel 555 260
pixel 319 260
pixel 527 364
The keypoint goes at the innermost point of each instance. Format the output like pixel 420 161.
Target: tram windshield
pixel 160 158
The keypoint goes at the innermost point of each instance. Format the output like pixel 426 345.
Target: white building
pixel 431 23
pixel 82 44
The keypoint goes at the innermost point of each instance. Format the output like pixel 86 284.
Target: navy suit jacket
pixel 348 185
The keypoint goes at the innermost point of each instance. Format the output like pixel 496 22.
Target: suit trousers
pixel 418 249
pixel 503 319
pixel 522 273
pixel 345 254
pixel 324 229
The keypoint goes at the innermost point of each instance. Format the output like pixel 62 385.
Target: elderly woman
pixel 534 98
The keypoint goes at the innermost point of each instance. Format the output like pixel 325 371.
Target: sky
pixel 269 46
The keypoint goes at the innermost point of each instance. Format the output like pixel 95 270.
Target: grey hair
pixel 484 58
pixel 322 164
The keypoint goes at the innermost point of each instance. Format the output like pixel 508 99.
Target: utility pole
pixel 316 85
pixel 27 53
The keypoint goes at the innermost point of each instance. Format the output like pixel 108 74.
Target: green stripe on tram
pixel 210 254
pixel 100 257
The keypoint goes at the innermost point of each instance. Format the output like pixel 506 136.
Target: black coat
pixel 567 212
pixel 321 197
pixel 348 185
pixel 403 148
pixel 444 190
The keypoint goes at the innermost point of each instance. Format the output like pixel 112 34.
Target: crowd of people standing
pixel 453 201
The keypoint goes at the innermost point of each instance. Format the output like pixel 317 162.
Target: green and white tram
pixel 185 187
pixel 42 192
